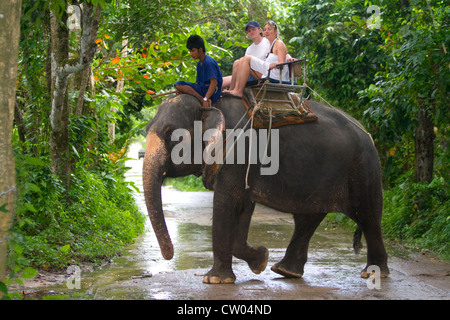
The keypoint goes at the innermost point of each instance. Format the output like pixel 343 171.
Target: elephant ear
pixel 213 128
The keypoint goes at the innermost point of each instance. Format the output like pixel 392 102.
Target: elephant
pixel 330 165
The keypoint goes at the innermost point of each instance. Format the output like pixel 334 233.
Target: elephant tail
pixel 357 245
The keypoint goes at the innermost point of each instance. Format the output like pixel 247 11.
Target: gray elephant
pixel 330 165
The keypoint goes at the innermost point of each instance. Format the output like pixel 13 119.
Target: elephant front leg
pixel 255 256
pixel 221 273
pixel 222 237
pixel 231 234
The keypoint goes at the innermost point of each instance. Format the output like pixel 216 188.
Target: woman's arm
pixel 281 51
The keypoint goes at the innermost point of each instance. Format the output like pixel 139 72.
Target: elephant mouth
pixel 197 173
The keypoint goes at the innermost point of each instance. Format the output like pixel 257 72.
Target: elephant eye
pixel 168 134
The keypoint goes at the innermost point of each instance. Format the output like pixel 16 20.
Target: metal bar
pixel 285 88
pixel 304 72
pixel 252 97
pixel 278 110
pixel 292 74
pixel 273 100
pixel 277 85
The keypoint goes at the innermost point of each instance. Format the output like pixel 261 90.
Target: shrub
pixel 91 222
pixel 418 214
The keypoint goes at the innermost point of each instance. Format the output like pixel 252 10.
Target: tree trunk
pixel 62 67
pixel 59 117
pixel 424 145
pixel 9 42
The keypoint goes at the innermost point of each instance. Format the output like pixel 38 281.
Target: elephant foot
pixel 287 272
pixel 384 270
pixel 259 264
pixel 224 277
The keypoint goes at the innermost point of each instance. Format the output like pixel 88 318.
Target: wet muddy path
pixel 332 270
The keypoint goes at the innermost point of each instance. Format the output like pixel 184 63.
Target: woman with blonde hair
pixel 257 68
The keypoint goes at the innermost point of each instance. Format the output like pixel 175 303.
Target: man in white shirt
pixel 259 48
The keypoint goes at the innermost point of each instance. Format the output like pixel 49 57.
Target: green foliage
pixel 414 76
pixel 341 53
pixel 189 183
pixel 18 265
pixel 418 213
pixel 92 222
pixel 156 34
pixel 416 67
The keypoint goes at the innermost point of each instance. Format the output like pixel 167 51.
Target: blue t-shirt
pixel 205 72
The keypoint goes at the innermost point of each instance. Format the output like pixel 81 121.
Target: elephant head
pixel 176 113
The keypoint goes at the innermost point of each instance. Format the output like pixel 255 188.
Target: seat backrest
pixel 296 68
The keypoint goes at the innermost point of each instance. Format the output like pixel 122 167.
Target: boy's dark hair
pixel 196 42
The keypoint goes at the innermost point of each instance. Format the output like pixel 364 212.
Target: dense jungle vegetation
pixel 385 62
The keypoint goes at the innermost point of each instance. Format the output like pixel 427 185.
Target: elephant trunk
pixel 156 157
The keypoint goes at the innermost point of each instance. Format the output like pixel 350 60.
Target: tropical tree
pixel 410 97
pixel 342 54
pixel 61 68
pixel 9 42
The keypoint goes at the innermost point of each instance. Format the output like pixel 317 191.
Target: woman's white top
pixel 262 66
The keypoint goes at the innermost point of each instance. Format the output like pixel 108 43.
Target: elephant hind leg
pixel 376 252
pixel 292 264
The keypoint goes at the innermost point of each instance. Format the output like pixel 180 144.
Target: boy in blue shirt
pixel 208 86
